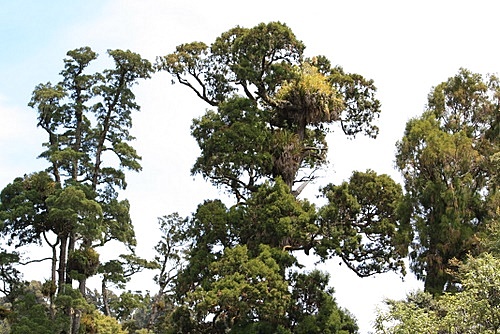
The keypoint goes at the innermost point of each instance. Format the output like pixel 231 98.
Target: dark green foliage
pixel 361 224
pixel 242 290
pixel 23 208
pixel 11 277
pixel 263 141
pixel 30 316
pixel 447 161
pixel 312 308
pixel 236 143
pixel 290 102
pixel 73 206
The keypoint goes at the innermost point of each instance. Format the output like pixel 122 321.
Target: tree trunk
pixel 53 275
pixel 71 247
pixel 154 311
pixel 62 263
pixel 78 131
pixel 82 286
pixel 105 128
pixel 105 300
pixel 76 316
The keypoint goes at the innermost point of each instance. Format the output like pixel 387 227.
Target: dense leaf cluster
pixel 447 158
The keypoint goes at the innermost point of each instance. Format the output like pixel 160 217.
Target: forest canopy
pixel 233 265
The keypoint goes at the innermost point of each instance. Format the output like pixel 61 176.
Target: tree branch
pixel 34 261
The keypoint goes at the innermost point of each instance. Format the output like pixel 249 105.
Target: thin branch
pixel 48 242
pixel 297 191
pixel 34 261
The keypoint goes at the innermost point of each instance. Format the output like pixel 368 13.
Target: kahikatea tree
pixel 263 141
pixel 73 206
pixel 447 158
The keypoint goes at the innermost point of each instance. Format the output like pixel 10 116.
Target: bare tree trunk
pixel 71 247
pixel 105 300
pixel 62 263
pixel 53 275
pixel 82 286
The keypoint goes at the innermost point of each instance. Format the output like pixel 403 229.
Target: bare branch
pixel 34 261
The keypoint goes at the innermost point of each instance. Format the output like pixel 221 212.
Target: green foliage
pixel 119 271
pixel 289 101
pixel 4 327
pixel 257 57
pixel 30 316
pixel 31 312
pixel 73 206
pixel 310 98
pixel 262 141
pixel 23 208
pixel 312 308
pixel 96 322
pixel 234 268
pixel 417 314
pixel 274 217
pixel 236 143
pixel 473 309
pixel 445 157
pixel 361 224
pixel 244 290
pixel 71 209
pixel 83 263
pixel 361 108
pixel 11 277
pixel 236 253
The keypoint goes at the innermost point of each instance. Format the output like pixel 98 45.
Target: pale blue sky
pixel 406 47
pixel 30 35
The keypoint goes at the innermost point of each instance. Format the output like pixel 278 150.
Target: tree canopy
pixel 263 142
pixel 73 206
pixel 447 158
pixel 237 264
pixel 259 76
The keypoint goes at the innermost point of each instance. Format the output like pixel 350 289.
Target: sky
pixel 406 47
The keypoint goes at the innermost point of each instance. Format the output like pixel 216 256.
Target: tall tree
pixel 73 206
pixel 263 142
pixel 447 158
pixel 278 124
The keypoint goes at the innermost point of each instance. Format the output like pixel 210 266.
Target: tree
pixel 256 293
pixel 473 309
pixel 283 115
pixel 30 316
pixel 317 311
pixel 30 310
pixel 417 314
pixel 362 224
pixel 263 143
pixel 169 261
pixel 73 206
pixel 447 160
pixel 11 277
pixel 119 272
